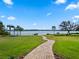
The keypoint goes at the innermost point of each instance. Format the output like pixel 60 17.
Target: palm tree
pixel 18 28
pixel 54 28
pixel 13 28
pixel 21 29
pixel 9 26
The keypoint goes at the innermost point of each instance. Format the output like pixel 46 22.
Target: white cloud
pixel 75 18
pixel 60 1
pixel 8 2
pixel 72 6
pixel 11 18
pixel 34 24
pixel 49 14
pixel 2 16
pixel 74 21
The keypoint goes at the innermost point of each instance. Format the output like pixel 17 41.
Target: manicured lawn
pixel 66 46
pixel 18 46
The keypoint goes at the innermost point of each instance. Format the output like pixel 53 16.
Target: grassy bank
pixel 66 47
pixel 18 46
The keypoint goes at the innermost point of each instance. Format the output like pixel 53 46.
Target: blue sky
pixel 38 14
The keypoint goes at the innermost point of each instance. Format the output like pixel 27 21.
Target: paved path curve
pixel 44 51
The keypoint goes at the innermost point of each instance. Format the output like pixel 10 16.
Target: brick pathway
pixel 44 51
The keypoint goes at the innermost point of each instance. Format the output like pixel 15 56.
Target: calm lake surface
pixel 41 32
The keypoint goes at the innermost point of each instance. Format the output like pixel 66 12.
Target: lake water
pixel 41 32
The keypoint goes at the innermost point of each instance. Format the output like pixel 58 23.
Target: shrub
pixel 11 57
pixel 4 33
pixel 36 34
pixel 47 34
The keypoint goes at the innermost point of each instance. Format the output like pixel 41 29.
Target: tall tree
pixel 13 28
pixel 67 26
pixel 9 26
pixel 77 27
pixel 21 29
pixel 54 28
pixel 1 27
pixel 17 29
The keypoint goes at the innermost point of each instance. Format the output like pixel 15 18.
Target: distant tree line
pixel 64 26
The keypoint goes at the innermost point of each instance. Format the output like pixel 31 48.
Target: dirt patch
pixel 57 56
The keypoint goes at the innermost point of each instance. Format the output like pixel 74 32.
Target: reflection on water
pixel 41 32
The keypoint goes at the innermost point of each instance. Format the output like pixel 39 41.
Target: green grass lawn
pixel 66 46
pixel 18 46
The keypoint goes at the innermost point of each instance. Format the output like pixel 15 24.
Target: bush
pixel 36 34
pixel 11 57
pixel 58 33
pixel 4 33
pixel 47 34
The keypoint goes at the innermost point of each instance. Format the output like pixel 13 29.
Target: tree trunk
pixel 10 30
pixel 54 31
pixel 20 33
pixel 14 32
pixel 17 33
pixel 68 32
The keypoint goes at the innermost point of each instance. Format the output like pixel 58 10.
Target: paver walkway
pixel 44 51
